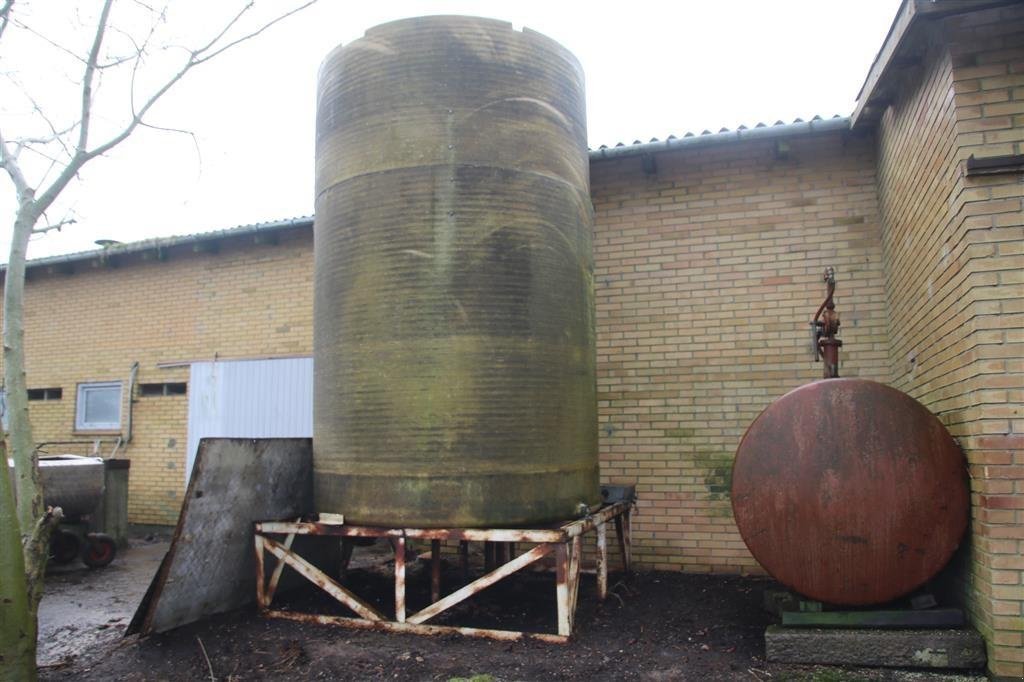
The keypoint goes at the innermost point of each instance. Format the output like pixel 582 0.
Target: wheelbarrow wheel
pixel 99 550
pixel 64 546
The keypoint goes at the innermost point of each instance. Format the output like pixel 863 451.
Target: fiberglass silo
pixel 454 331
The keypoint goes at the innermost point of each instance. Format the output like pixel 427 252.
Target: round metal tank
pixel 453 327
pixel 850 492
pixel 72 482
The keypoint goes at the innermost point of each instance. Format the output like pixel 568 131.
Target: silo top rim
pixel 455 19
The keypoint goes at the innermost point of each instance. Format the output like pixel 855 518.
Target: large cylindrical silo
pixel 454 334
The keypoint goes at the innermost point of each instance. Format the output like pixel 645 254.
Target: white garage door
pixel 249 399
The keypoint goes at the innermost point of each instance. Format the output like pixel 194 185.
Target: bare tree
pixel 59 153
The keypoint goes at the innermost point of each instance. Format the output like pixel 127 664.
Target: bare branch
pixel 227 27
pixel 55 226
pixel 38 152
pixel 10 164
pixel 49 169
pixel 252 35
pixel 56 135
pixel 118 61
pixel 141 52
pixel 90 71
pixel 195 140
pixel 37 34
pixel 5 15
pixel 196 57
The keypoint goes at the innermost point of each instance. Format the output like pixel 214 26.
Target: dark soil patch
pixel 657 626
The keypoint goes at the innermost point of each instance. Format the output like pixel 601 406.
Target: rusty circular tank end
pixel 850 492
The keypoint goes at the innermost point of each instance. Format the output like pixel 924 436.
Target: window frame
pixel 82 390
pixel 163 389
pixel 49 394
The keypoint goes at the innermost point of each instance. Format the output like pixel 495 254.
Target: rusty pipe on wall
pixel 824 328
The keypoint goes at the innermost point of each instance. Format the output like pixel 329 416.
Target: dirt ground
pixel 656 626
pixel 85 610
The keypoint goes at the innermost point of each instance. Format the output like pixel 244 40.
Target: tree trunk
pixel 21 508
pixel 17 625
pixel 19 430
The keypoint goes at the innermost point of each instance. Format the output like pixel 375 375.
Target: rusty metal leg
pixel 435 570
pixel 562 589
pixel 346 557
pixel 261 600
pixel 275 577
pixel 500 554
pixel 622 530
pixel 627 545
pixel 511 551
pixel 602 561
pixel 488 556
pixel 575 564
pixel 464 558
pixel 399 545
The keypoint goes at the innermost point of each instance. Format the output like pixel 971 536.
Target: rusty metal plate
pixel 850 492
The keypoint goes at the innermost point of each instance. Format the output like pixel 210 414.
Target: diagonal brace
pixel 478 585
pixel 322 580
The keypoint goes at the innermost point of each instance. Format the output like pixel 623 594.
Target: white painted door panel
pixel 249 399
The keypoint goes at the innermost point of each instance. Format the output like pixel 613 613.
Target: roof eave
pixel 814 126
pixel 138 247
pixel 871 99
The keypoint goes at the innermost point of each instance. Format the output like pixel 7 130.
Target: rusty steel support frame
pixel 564 541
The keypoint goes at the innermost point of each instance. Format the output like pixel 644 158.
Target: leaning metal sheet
pixel 208 568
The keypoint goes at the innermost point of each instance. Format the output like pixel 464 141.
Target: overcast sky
pixel 652 68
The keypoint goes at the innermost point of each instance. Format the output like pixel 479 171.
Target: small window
pixel 170 388
pixel 45 394
pixel 98 407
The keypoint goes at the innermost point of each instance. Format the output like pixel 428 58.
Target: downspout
pixel 132 375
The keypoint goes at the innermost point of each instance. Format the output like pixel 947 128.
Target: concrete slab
pixel 959 649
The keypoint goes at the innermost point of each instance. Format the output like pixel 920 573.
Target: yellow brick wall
pixel 248 300
pixel 955 282
pixel 707 274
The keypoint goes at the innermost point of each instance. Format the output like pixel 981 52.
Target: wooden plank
pixel 602 562
pixel 208 568
pixel 929 618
